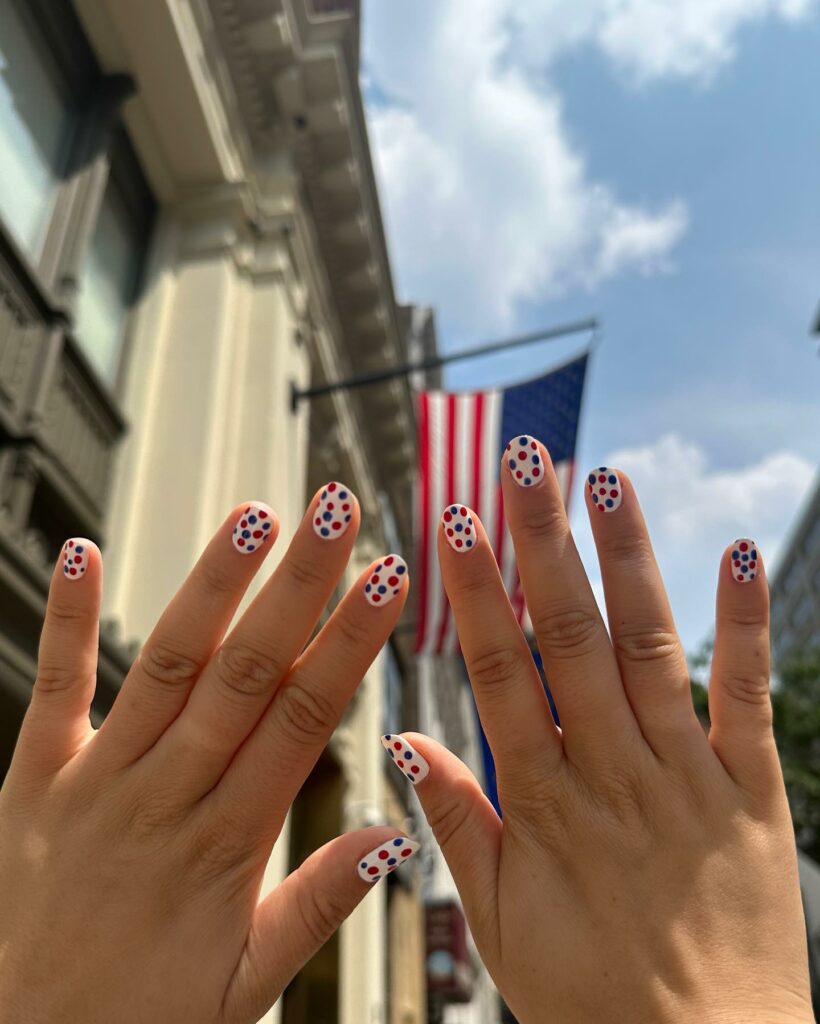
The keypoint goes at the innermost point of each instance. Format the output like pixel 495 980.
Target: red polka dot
pixel 244 523
pixel 613 494
pixel 533 445
pixel 263 514
pixel 447 517
pixel 79 558
pixel 331 487
pixel 737 561
pixel 600 508
pixel 71 543
pixel 383 855
pixel 336 526
pixel 752 564
pixel 388 560
pixel 522 455
pixel 449 533
pixel 257 533
pixel 400 764
pixel 372 871
pixel 467 530
pixel 374 579
pixel 415 769
pixel 459 543
pixel 345 507
pixel 376 597
pixel 744 546
pixel 392 581
pixel 536 471
pixel 318 521
pixel 518 474
pixel 463 510
pixel 509 446
pixel 397 746
pixel 330 506
pixel 406 853
pixel 240 542
pixel 602 490
pixel 73 571
pixel 602 479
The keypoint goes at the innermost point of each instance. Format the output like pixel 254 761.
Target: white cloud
pixel 693 511
pixel 487 198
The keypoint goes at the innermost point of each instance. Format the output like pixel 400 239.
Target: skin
pixel 644 871
pixel 131 858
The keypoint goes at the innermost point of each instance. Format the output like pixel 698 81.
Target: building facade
pixel 190 233
pixel 795 585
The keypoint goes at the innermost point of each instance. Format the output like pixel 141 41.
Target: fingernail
pixel 605 488
pixel 406 758
pixel 253 528
pixel 75 558
pixel 334 510
pixel 459 528
pixel 385 580
pixel 524 460
pixel 744 560
pixel 386 858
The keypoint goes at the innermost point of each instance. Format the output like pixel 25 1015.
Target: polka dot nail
pixel 406 758
pixel 385 580
pixel 334 511
pixel 75 558
pixel 524 461
pixel 459 527
pixel 604 487
pixel 253 528
pixel 386 858
pixel 744 560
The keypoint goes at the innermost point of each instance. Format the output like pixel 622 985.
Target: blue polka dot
pixel 469 543
pixel 251 519
pixel 378 569
pixel 342 495
pixel 347 519
pixel 602 469
pixel 390 752
pixel 327 516
pixel 409 776
pixel 511 463
pixel 324 495
pixel 246 533
pixel 401 570
pixel 367 590
pixel 388 737
pixel 251 547
pixel 612 479
pixel 363 864
pixel 453 509
pixel 398 842
pixel 754 553
pixel 324 531
pixel 382 590
pixel 408 755
pixel 79 549
pixel 235 530
pixel 744 558
pixel 469 521
pixel 266 526
pixel 527 481
pixel 459 527
pixel 744 568
pixel 595 498
pixel 592 478
pixel 735 553
pixel 536 461
pixel 391 861
pixel 522 440
pixel 609 502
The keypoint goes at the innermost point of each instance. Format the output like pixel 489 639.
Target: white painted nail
pixel 604 486
pixel 385 580
pixel 744 560
pixel 459 527
pixel 406 758
pixel 524 461
pixel 253 528
pixel 75 558
pixel 334 510
pixel 386 858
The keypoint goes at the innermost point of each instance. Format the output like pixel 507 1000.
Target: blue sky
pixel 657 164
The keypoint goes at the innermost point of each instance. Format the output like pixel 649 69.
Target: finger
pixel 578 658
pixel 298 917
pixel 187 634
pixel 510 697
pixel 308 706
pixel 463 820
pixel 739 704
pixel 242 677
pixel 647 647
pixel 57 723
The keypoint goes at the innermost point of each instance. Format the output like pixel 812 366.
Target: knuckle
pixel 68 614
pixel 646 644
pixel 54 677
pixel 495 668
pixel 305 574
pixel 750 688
pixel 567 632
pixel 353 633
pixel 218 580
pixel 306 715
pixel 246 670
pixel 321 912
pixel 449 817
pixel 215 848
pixel 543 523
pixel 627 547
pixel 166 665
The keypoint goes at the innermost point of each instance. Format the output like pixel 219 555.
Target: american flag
pixel 461 438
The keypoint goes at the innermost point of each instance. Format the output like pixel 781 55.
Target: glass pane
pixel 35 122
pixel 108 284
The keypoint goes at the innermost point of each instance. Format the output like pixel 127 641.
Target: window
pixel 110 278
pixel 36 119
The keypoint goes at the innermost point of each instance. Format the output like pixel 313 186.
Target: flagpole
pixel 434 362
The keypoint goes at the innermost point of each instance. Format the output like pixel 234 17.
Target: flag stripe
pixel 451 497
pixel 423 517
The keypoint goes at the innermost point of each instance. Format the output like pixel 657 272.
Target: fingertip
pixel 79 558
pixel 385 579
pixel 254 527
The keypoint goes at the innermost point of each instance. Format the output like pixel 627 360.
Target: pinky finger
pixel 57 722
pixel 298 917
pixel 739 702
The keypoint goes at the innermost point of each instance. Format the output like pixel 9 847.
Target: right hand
pixel 644 872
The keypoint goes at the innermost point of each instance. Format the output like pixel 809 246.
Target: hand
pixel 131 859
pixel 643 871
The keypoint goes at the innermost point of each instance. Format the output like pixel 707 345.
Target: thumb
pixel 301 914
pixel 463 820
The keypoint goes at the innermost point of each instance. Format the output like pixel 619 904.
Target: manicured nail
pixel 333 511
pixel 253 528
pixel 524 460
pixel 386 858
pixel 458 527
pixel 605 488
pixel 406 758
pixel 385 580
pixel 75 558
pixel 744 560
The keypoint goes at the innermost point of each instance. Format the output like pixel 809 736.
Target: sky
pixel 655 163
